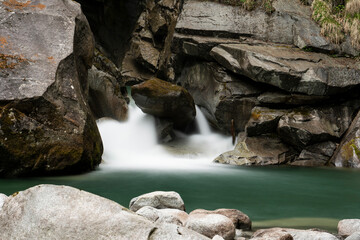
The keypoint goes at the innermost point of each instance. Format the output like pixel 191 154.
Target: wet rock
pixel 263 120
pixel 315 155
pixel 105 96
pixel 3 197
pixel 239 219
pixel 223 97
pixel 354 236
pixel 348 152
pixel 46 124
pixel 347 227
pixel 211 225
pixel 39 208
pixel 159 200
pixel 272 234
pixel 276 98
pixel 104 64
pixel 259 150
pixel 174 232
pixel 305 126
pixel 173 216
pixel 289 68
pixel 164 130
pixel 147 55
pixel 165 100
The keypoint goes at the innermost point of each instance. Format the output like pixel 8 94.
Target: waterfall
pixel 133 144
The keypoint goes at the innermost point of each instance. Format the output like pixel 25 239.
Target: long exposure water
pixel 134 163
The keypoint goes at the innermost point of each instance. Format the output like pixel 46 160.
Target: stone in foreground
pixel 346 227
pixel 159 200
pixel 46 126
pixel 165 100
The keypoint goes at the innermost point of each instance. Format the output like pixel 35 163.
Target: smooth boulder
pixel 165 100
pixel 46 125
pixel 159 200
pixel 167 215
pixel 346 227
pixel 211 225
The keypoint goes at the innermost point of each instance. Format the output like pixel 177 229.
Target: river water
pixel 134 163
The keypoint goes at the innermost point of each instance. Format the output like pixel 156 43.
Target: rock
pixel 315 155
pixel 173 216
pixel 239 219
pixel 354 236
pixel 259 150
pixel 348 152
pixel 263 120
pixel 105 96
pixel 291 23
pixel 305 126
pixel 276 98
pixel 3 197
pixel 217 237
pixel 159 200
pixel 164 130
pixel 165 100
pixel 347 227
pixel 46 125
pixel 224 97
pixel 211 225
pixel 147 55
pixel 39 207
pixel 289 68
pixel 174 232
pixel 289 234
pixel 104 64
pixel 272 234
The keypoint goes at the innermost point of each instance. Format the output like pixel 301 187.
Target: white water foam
pixel 133 145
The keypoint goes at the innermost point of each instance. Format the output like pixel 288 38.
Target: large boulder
pixel 226 99
pixel 290 69
pixel 165 100
pixel 259 150
pixel 211 225
pixel 346 227
pixel 239 219
pixel 46 124
pixel 61 212
pixel 348 152
pixel 159 200
pixel 290 23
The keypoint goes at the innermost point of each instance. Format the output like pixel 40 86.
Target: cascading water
pixel 133 144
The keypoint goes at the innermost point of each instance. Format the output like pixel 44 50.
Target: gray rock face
pixel 46 125
pixel 291 23
pixel 165 100
pixel 316 155
pixel 105 96
pixel 239 219
pixel 173 216
pixel 39 208
pixel 276 98
pixel 211 225
pixel 347 227
pixel 159 200
pixel 348 152
pixel 259 150
pixel 3 197
pixel 223 97
pixel 289 68
pixel 306 126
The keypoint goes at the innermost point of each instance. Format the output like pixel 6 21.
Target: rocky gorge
pixel 269 73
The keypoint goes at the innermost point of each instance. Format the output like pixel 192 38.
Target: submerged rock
pixel 239 219
pixel 46 126
pixel 347 227
pixel 211 225
pixel 259 150
pixel 165 100
pixel 159 200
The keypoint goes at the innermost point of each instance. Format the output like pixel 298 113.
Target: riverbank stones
pixel 159 200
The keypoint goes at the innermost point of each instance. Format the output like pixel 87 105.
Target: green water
pixel 271 196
